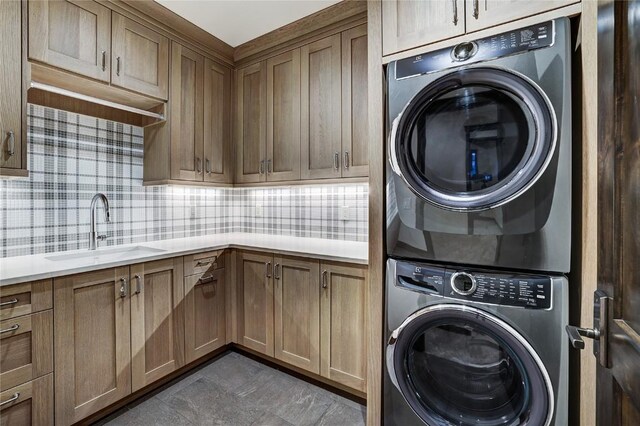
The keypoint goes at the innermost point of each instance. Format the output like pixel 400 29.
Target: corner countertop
pixel 14 270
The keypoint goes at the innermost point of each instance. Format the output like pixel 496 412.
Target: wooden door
pixel 320 127
pixel 297 312
pixel 92 345
pixel 251 118
pixel 618 384
pixel 139 58
pixel 29 404
pixel 283 116
pixel 205 322
pixel 407 24
pixel 157 320
pixel 74 35
pixel 255 301
pixel 343 324
pixel 11 85
pixel 217 123
pixel 186 115
pixel 488 13
pixel 355 103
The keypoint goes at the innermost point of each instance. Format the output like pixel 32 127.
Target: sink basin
pixel 107 254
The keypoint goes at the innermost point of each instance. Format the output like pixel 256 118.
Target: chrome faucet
pixel 93 237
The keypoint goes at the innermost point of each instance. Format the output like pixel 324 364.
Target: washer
pixel 474 347
pixel 479 152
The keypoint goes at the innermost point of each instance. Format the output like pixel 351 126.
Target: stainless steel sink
pixel 106 254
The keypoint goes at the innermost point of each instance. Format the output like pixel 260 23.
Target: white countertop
pixel 19 269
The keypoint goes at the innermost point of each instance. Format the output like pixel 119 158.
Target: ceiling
pixel 239 21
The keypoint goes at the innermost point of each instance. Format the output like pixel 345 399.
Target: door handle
pixel 198 165
pixel 269 166
pixel 207 165
pixel 336 160
pixel 324 279
pixel 118 66
pixel 104 60
pixel 261 169
pixel 11 143
pixel 138 283
pixel 123 287
pixel 455 12
pixel 600 331
pixel 276 271
pixel 476 9
pixel 267 269
pixel 346 160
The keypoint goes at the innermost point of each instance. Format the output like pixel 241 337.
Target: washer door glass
pixel 459 367
pixel 474 139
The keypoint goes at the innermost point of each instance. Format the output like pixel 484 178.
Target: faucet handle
pixel 101 238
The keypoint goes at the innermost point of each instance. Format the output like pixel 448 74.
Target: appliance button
pixel 463 283
pixel 464 51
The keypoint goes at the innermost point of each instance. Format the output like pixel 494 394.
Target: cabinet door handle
pixel 336 160
pixel 104 60
pixel 207 165
pixel 261 169
pixel 10 329
pixel 324 279
pixel 10 400
pixel 346 160
pixel 276 272
pixel 123 287
pixel 268 270
pixel 476 9
pixel 198 165
pixel 455 12
pixel 138 279
pixel 118 66
pixel 269 166
pixel 9 302
pixel 11 143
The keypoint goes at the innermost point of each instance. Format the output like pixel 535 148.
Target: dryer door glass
pixel 474 139
pixel 456 367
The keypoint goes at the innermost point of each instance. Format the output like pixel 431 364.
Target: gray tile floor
pixel 236 390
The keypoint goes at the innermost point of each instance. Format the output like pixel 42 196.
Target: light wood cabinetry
pixel 250 131
pixel 29 404
pixel 72 35
pixel 320 103
pixel 25 298
pixel 140 57
pixel 218 152
pixel 157 320
pixel 297 312
pixel 343 324
pixel 482 14
pixel 92 342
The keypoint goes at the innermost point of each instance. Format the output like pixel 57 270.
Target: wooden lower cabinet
pixel 29 404
pixel 157 320
pixel 92 342
pixel 343 324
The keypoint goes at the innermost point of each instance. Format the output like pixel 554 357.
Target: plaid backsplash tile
pixel 72 157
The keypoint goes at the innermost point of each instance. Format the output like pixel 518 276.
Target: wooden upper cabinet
pixel 408 24
pixel 320 109
pixel 11 100
pixel 218 154
pixel 74 35
pixel 297 312
pixel 92 344
pixel 355 107
pixel 487 13
pixel 344 321
pixel 251 92
pixel 255 301
pixel 186 115
pixel 157 320
pixel 140 58
pixel 283 117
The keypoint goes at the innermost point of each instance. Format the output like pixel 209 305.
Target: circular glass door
pixel 458 365
pixel 474 139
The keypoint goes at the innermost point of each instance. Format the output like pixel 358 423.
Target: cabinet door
pixel 11 85
pixel 487 13
pixel 205 322
pixel 297 312
pixel 255 294
pixel 30 404
pixel 283 116
pixel 92 342
pixel 74 35
pixel 187 147
pixel 320 109
pixel 251 104
pixel 355 120
pixel 408 23
pixel 217 123
pixel 140 58
pixel 157 320
pixel 343 324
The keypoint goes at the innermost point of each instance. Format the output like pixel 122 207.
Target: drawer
pixel 26 348
pixel 29 404
pixel 203 262
pixel 23 299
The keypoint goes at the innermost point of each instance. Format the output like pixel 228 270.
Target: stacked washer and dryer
pixel 478 201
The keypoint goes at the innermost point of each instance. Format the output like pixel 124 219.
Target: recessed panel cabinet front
pixel 255 293
pixel 71 34
pixel 218 151
pixel 92 342
pixel 29 404
pixel 157 320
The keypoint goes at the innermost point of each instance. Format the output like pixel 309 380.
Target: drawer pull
pixel 10 329
pixel 10 400
pixel 10 302
pixel 138 283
